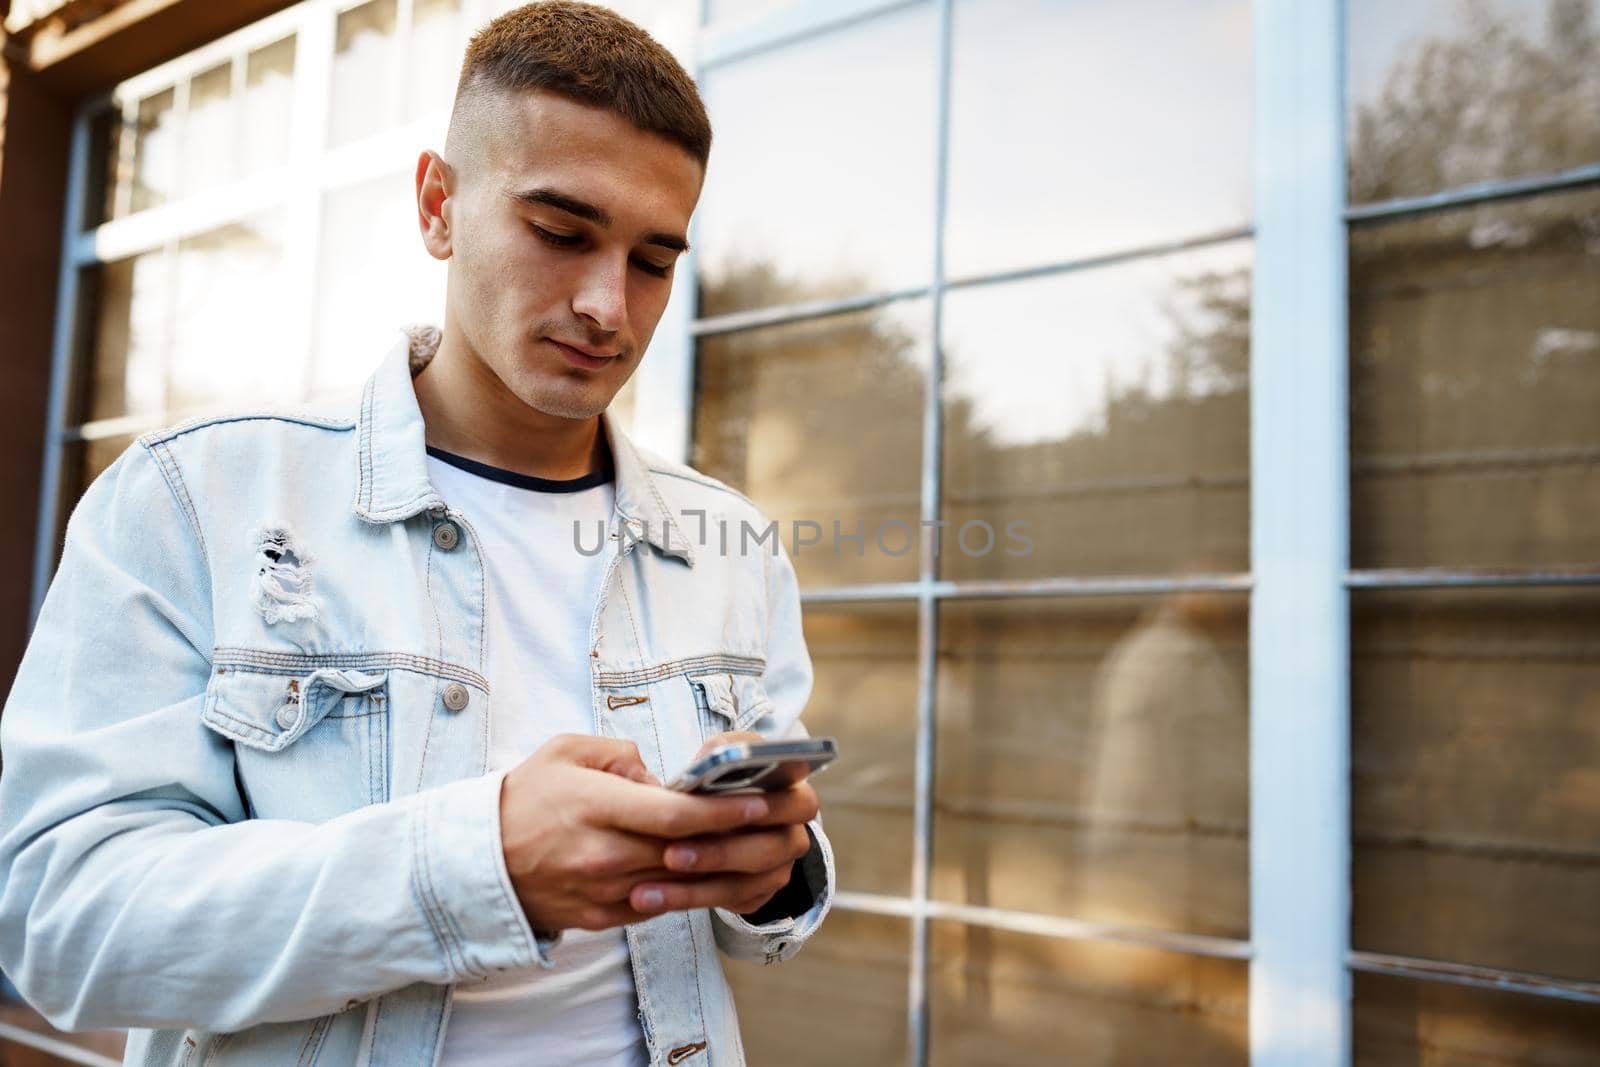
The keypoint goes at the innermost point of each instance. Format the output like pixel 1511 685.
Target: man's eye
pixel 560 240
pixel 651 268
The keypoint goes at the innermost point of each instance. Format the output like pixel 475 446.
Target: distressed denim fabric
pixel 244 808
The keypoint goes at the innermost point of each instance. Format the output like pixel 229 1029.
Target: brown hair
pixel 592 56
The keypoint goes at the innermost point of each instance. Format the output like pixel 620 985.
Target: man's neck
pixel 468 411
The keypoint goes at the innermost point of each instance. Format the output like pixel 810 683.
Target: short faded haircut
pixel 592 56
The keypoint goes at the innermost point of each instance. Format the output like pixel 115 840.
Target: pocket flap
pixel 272 711
pixel 739 699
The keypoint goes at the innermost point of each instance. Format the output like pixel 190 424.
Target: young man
pixel 332 747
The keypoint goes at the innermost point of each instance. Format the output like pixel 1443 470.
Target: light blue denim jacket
pixel 243 810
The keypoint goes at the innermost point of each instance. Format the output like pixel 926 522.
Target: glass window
pixel 267 106
pixel 1097 422
pixel 827 191
pixel 1084 128
pixel 373 277
pixel 227 344
pixel 1093 759
pixel 1404 1023
pixel 434 52
pixel 1001 997
pixel 210 130
pixel 788 415
pixel 1442 95
pixel 1475 383
pixel 865 658
pixel 155 154
pixel 365 52
pixel 1476 723
pixel 126 373
pixel 852 974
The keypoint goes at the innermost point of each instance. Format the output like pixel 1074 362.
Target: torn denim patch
pixel 281 586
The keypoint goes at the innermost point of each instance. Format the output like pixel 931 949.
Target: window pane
pixel 1475 792
pixel 374 276
pixel 820 422
pixel 155 157
pixel 1404 1023
pixel 1000 997
pixel 1442 95
pixel 1093 759
pixel 87 460
pixel 1105 413
pixel 227 341
pixel 1475 387
pixel 1084 128
pixel 438 39
pixel 127 367
pixel 209 158
pixel 106 169
pixel 841 1001
pixel 820 182
pixel 364 56
pixel 267 106
pixel 865 657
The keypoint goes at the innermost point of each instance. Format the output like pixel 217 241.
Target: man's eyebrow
pixel 585 210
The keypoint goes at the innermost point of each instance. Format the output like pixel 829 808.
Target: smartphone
pixel 756 766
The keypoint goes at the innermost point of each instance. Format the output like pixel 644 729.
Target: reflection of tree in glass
pixel 1491 102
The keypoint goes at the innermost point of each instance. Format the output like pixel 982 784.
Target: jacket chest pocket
pixel 307 747
pixel 729 702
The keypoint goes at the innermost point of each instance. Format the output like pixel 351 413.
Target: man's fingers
pixel 727 738
pixel 749 852
pixel 662 813
pixel 723 891
pixel 792 807
pixel 608 754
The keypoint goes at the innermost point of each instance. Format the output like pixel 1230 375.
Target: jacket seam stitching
pixel 232 657
pixel 161 437
pixel 170 474
pixel 662 671
pixel 424 886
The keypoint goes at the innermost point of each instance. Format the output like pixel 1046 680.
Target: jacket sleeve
pixel 134 890
pixel 764 937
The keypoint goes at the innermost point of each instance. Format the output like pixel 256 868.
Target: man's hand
pixel 584 827
pixel 740 869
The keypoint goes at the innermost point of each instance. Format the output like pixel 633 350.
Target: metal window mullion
pixel 63 349
pixel 1299 1012
pixel 1465 196
pixel 918 1022
pixel 795 22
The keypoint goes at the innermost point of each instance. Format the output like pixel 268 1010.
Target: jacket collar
pixel 392 459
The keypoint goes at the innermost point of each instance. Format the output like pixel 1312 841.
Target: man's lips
pixel 588 358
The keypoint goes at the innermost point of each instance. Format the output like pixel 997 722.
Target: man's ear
pixel 435 184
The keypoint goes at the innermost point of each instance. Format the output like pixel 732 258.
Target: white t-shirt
pixel 541 595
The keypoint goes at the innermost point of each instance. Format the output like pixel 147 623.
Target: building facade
pixel 1184 416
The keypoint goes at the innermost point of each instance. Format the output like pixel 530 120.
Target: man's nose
pixel 602 296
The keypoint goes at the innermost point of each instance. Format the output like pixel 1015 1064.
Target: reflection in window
pixel 1442 95
pixel 1083 128
pixel 267 105
pixel 127 370
pixel 825 191
pixel 1093 759
pixel 865 658
pixel 1097 422
pixel 1000 997
pixel 1404 1023
pixel 374 277
pixel 155 154
pixel 227 343
pixel 433 55
pixel 210 128
pixel 851 979
pixel 1475 387
pixel 364 57
pixel 820 422
pixel 1474 787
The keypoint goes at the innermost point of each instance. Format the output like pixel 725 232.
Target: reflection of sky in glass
pixel 1091 127
pixel 268 100
pixel 434 55
pixel 155 150
pixel 227 342
pixel 373 278
pixel 1038 360
pixel 364 47
pixel 822 162
pixel 209 129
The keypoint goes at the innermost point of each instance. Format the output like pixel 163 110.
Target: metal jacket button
pixel 446 535
pixel 456 696
pixel 288 715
